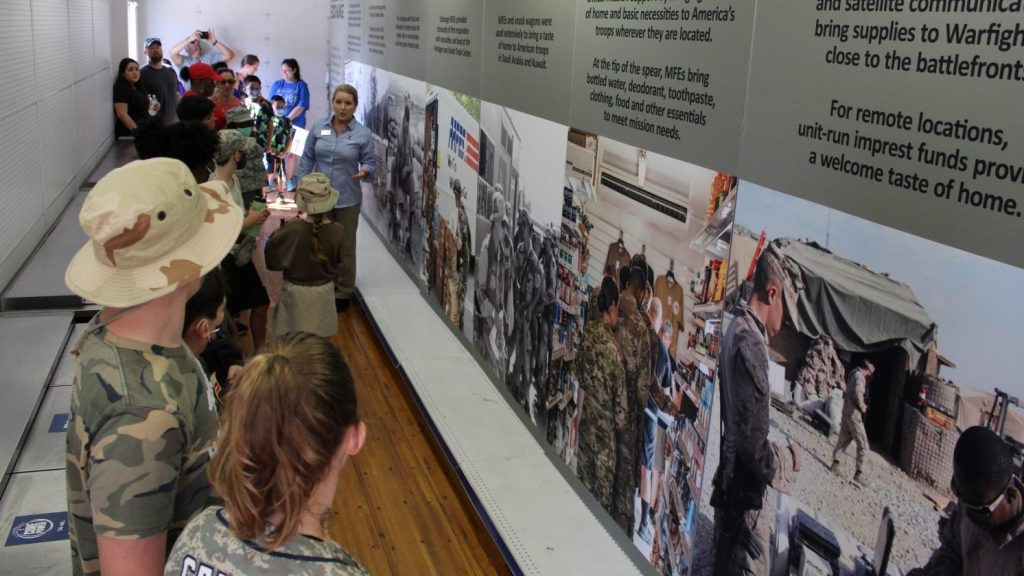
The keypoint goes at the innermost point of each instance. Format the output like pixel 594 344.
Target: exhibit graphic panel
pixel 451 164
pixel 337 37
pixel 394 112
pixel 904 113
pixel 668 76
pixel 642 272
pixel 527 56
pixel 355 42
pixel 895 344
pixel 379 16
pixel 518 223
pixel 453 48
pixel 408 38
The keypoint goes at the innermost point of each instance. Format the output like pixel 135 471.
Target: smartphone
pixel 205 34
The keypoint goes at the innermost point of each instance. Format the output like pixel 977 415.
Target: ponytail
pixel 315 249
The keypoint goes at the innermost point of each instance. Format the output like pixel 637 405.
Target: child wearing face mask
pixel 280 141
pixel 246 288
pixel 210 335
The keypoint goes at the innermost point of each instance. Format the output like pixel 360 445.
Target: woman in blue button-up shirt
pixel 342 148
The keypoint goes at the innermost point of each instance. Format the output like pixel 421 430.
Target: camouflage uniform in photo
pixel 631 333
pixel 604 415
pixel 209 543
pixel 141 434
pixel 854 409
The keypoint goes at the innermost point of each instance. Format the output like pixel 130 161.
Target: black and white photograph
pixel 394 112
pixel 517 228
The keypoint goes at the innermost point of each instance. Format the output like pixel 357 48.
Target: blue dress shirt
pixel 339 155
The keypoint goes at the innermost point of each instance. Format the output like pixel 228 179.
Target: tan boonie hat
pixel 230 142
pixel 315 194
pixel 151 229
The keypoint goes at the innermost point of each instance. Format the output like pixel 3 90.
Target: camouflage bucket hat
pixel 230 142
pixel 151 229
pixel 315 194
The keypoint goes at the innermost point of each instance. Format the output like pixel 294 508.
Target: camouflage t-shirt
pixel 142 430
pixel 207 546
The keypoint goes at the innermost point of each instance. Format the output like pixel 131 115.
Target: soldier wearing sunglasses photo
pixel 985 531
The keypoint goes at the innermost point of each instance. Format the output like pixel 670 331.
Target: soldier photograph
pixel 396 119
pixel 643 255
pixel 516 235
pixel 855 360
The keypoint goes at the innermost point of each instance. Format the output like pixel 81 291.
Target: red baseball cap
pixel 201 70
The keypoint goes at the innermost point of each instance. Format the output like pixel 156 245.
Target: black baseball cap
pixel 151 41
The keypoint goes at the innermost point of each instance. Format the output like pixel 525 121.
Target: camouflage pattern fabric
pixel 603 418
pixel 207 546
pixel 852 428
pixel 462 258
pixel 631 335
pixel 253 177
pixel 822 370
pixel 141 434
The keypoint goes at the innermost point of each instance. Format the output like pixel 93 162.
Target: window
pixel 133 30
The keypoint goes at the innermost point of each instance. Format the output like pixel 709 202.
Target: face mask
pixel 278 111
pixel 254 93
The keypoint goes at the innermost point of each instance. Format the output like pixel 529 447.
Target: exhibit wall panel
pixel 453 50
pixel 408 38
pixel 336 51
pixel 911 128
pixel 525 162
pixel 527 56
pixel 670 77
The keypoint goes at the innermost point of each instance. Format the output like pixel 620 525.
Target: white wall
pixel 57 116
pixel 271 29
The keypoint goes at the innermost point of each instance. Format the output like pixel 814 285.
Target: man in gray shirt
pixel 161 80
pixel 201 46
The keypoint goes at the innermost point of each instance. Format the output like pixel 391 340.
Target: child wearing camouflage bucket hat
pixel 142 412
pixel 308 250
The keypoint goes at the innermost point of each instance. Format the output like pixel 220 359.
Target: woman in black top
pixel 131 102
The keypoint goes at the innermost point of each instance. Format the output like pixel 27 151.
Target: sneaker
pixel 645 532
pixel 290 185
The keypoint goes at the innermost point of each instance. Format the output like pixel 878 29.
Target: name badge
pixel 325 132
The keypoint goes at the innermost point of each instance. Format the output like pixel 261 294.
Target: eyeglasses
pixel 225 82
pixel 983 510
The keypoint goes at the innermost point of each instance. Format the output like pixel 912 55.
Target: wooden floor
pixel 400 509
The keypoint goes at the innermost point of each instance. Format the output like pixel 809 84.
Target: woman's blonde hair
pixel 282 424
pixel 348 89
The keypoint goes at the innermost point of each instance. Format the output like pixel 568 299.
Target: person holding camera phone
pixel 201 46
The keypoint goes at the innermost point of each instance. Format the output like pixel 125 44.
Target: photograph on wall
pixel 519 216
pixel 641 274
pixel 394 112
pixel 889 347
pixel 451 165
